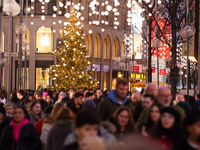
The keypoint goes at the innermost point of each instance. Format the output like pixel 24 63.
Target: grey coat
pixel 58 133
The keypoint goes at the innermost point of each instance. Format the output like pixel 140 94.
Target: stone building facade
pixel 101 45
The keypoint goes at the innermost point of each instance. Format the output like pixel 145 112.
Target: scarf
pixel 34 117
pixel 17 128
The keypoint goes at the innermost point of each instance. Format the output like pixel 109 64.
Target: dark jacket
pixel 22 102
pixel 43 104
pixel 182 145
pixel 58 133
pixel 73 146
pixel 28 138
pixel 138 110
pixel 3 124
pixel 69 99
pixel 108 106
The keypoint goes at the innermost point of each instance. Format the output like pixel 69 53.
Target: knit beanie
pixel 185 106
pixel 29 94
pixel 89 104
pixel 2 110
pixel 172 112
pixel 44 94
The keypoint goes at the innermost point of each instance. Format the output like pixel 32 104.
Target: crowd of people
pixel 77 119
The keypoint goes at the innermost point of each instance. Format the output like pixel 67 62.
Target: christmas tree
pixel 73 63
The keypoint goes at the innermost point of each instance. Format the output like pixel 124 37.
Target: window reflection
pixel 42 78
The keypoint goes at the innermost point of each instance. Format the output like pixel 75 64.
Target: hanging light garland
pixel 32 11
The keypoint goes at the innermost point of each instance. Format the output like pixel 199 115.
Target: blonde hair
pixel 93 143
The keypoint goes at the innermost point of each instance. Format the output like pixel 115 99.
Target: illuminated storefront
pixel 44 40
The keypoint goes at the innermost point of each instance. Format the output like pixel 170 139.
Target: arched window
pixel 106 49
pixel 115 49
pixel 97 46
pixel 44 40
pixel 122 48
pixel 89 44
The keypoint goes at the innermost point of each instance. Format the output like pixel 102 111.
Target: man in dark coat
pixel 192 123
pixel 115 99
pixel 21 98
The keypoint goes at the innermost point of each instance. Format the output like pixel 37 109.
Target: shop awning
pixel 141 84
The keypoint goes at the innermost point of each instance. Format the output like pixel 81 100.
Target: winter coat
pixel 58 133
pixel 43 104
pixel 47 125
pixel 108 106
pixel 39 125
pixel 3 124
pixel 28 138
pixel 22 102
pixel 184 144
pixel 108 138
pixel 145 112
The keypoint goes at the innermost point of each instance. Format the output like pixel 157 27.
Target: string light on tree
pixel 67 73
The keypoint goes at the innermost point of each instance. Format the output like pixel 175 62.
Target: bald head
pixel 135 97
pixel 151 89
pixel 164 96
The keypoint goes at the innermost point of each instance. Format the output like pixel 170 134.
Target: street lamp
pixel 12 9
pixel 187 32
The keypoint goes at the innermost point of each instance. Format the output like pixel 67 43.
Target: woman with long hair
pixel 123 120
pixel 169 130
pixel 62 127
pixel 35 112
pixel 49 100
pixel 152 120
pixel 48 123
pixel 20 133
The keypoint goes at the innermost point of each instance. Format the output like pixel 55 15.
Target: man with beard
pixel 192 123
pixel 75 105
pixel 115 99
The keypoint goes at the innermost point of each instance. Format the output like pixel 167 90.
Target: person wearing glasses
pixel 20 133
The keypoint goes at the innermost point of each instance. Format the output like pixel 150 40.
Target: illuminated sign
pixel 153 69
pixel 162 71
pixel 136 68
pixel 138 75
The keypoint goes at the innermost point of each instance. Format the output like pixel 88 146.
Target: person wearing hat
pixel 168 131
pixel 29 99
pixel 20 133
pixel 39 97
pixel 192 124
pixel 60 97
pixel 4 121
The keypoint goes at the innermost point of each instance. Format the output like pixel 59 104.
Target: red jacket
pixel 39 125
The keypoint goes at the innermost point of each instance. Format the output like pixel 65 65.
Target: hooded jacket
pixel 108 138
pixel 108 106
